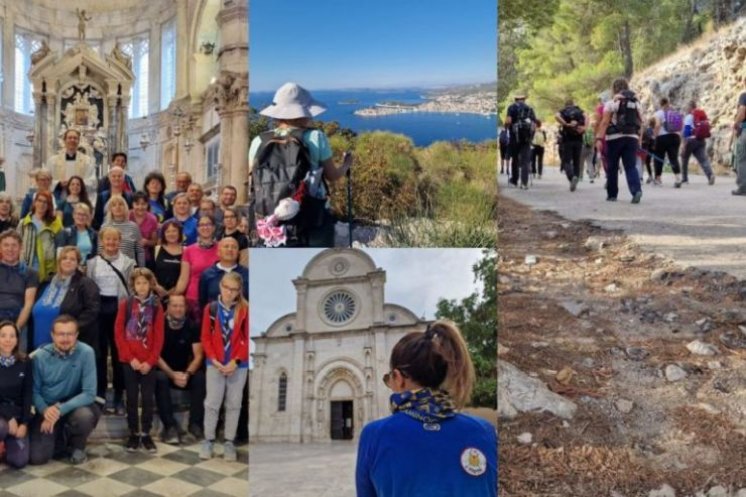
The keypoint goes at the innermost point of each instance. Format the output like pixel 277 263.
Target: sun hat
pixel 520 95
pixel 292 101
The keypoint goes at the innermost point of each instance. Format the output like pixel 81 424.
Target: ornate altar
pixel 83 91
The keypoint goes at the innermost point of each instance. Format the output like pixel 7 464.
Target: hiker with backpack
pixel 572 121
pixel 696 133
pixel 537 150
pixel 739 154
pixel 504 141
pixel 289 167
pixel 619 132
pixel 668 125
pixel 522 121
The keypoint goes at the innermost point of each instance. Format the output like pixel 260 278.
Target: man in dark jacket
pixel 522 122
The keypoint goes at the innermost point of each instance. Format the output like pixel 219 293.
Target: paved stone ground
pixel 310 470
pixel 111 471
pixel 696 225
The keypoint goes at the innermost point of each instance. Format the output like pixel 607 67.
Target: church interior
pixel 165 81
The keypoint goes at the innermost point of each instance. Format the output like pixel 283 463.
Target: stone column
pixel 9 56
pixel 233 22
pixel 154 62
pixel 295 390
pixel 112 132
pixel 183 49
pixel 40 125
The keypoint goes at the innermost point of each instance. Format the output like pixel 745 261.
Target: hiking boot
pixel 711 179
pixel 133 443
pixel 148 444
pixel 573 183
pixel 611 199
pixel 738 192
pixel 205 450
pixel 229 451
pixel 636 197
pixel 78 457
pixel 170 435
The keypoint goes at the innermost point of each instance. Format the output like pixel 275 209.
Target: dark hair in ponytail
pixel 436 358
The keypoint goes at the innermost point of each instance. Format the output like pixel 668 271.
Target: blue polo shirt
pixel 399 457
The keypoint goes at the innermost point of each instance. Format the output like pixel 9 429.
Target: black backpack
pixel 628 120
pixel 569 114
pixel 523 124
pixel 282 164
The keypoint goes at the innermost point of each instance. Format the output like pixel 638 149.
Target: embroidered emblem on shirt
pixel 473 461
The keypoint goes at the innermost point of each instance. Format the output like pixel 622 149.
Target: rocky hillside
pixel 712 72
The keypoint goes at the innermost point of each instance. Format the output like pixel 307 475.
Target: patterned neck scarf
pixel 426 405
pixel 8 361
pixel 205 245
pixel 143 315
pixel 56 291
pixel 227 318
pixel 175 324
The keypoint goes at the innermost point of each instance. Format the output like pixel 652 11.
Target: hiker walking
pixel 295 211
pixel 739 155
pixel 668 124
pixel 522 122
pixel 504 141
pixel 537 150
pixel 620 129
pixel 586 155
pixel 647 145
pixel 696 133
pixel 572 121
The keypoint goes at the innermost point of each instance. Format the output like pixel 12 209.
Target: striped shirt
pixel 131 244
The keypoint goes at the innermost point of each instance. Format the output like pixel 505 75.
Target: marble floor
pixel 111 471
pixel 310 470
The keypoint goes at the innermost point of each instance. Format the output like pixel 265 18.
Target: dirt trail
pixel 608 319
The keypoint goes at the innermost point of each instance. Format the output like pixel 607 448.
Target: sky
pixel 415 278
pixel 342 44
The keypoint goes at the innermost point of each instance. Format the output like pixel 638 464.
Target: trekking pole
pixel 348 173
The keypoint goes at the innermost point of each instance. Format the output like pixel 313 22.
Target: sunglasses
pixel 388 375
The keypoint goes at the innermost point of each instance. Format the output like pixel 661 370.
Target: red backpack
pixel 701 124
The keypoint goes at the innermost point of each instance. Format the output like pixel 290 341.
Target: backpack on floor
pixel 701 124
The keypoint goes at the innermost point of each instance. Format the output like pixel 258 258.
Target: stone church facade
pixel 317 373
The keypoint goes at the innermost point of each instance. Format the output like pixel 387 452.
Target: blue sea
pixel 423 127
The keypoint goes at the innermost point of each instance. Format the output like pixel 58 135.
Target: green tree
pixel 476 316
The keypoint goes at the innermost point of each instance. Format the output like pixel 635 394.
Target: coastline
pixel 481 103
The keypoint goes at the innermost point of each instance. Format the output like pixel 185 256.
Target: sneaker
pixel 573 183
pixel 591 180
pixel 205 450
pixel 133 443
pixel 677 183
pixel 658 182
pixel 170 435
pixel 711 179
pixel 196 431
pixel 636 198
pixel 685 181
pixel 119 409
pixel 649 180
pixel 611 199
pixel 148 444
pixel 738 192
pixel 78 457
pixel 229 451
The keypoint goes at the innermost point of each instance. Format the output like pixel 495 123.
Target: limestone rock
pixel 624 406
pixel 718 491
pixel 701 348
pixel 575 308
pixel 594 243
pixel 665 491
pixel 674 373
pixel 525 438
pixel 518 392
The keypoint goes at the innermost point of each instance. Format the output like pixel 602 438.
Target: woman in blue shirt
pixel 426 448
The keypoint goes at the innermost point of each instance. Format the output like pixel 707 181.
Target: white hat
pixel 292 101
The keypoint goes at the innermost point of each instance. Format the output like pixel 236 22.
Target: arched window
pixel 138 49
pixel 26 44
pixel 282 392
pixel 168 63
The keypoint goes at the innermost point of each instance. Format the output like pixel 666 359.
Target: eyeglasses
pixel 205 225
pixel 231 289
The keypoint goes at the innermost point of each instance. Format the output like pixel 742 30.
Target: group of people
pixel 149 285
pixel 615 132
